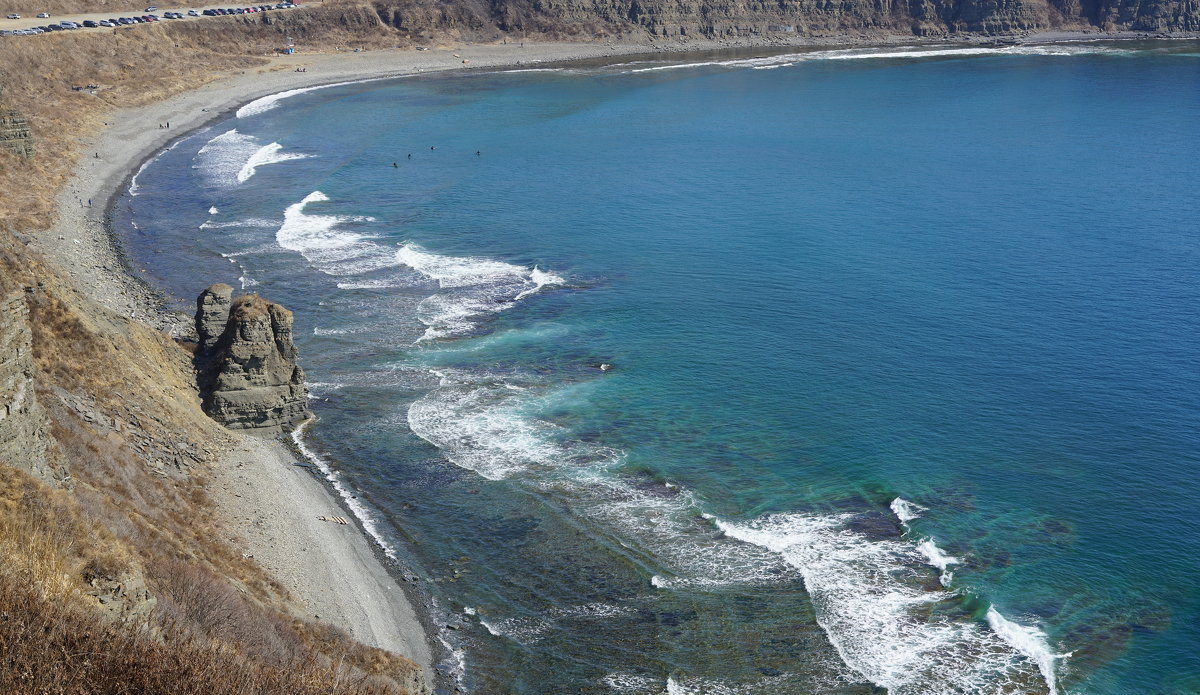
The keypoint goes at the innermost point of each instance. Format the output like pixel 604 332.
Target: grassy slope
pixel 124 579
pixel 123 583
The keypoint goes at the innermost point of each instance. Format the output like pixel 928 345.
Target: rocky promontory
pixel 246 362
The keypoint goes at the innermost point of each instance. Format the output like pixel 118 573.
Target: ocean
pixel 837 371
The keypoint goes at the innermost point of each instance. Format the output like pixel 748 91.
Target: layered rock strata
pixel 15 135
pixel 24 427
pixel 811 18
pixel 246 362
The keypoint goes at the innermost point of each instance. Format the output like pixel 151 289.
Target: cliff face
pixel 24 426
pixel 731 18
pixel 15 135
pixel 246 360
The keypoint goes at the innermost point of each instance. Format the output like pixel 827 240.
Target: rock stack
pixel 246 362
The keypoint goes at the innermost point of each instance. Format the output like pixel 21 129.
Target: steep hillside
pixel 108 541
pixel 717 18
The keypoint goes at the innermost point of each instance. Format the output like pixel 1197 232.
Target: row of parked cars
pixel 67 25
pixel 248 10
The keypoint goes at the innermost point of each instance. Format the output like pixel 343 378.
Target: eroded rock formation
pixel 23 423
pixel 755 18
pixel 246 362
pixel 15 135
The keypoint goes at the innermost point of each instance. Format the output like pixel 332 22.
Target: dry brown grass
pixel 131 69
pixel 204 636
pixel 55 648
pixel 126 420
pixel 47 540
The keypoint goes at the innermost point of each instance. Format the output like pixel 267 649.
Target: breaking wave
pixel 882 620
pixel 871 596
pixel 477 287
pixel 328 249
pixel 271 101
pixel 364 515
pixel 789 59
pixel 268 154
pixel 232 158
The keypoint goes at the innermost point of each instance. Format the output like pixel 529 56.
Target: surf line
pixel 1030 641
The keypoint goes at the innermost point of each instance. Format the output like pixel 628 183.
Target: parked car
pixel 43 15
pixel 105 23
pixel 89 23
pixel 193 13
pixel 152 8
pixel 14 16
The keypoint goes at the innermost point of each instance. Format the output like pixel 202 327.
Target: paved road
pixel 30 21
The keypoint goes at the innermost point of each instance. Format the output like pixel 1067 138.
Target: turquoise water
pixel 901 391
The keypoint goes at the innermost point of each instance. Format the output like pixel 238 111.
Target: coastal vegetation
pixel 115 575
pixel 114 572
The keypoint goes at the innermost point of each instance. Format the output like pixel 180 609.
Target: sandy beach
pixel 272 508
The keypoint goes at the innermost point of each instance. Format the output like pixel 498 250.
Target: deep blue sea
pixel 842 371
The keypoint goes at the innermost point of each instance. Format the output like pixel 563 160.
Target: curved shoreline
pixel 259 470
pixel 268 507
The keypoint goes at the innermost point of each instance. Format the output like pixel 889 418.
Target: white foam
pixel 524 630
pixel 906 511
pixel 267 154
pixel 221 159
pixel 324 386
pixel 631 683
pixel 247 281
pixel 327 248
pixel 213 210
pixel 540 278
pixel 938 558
pixel 876 614
pixel 482 429
pixel 252 222
pixel 450 271
pixel 1029 641
pixel 592 610
pixel 377 284
pixel 364 516
pixel 133 184
pixel 478 287
pixel 264 104
pixel 489 425
pixel 790 59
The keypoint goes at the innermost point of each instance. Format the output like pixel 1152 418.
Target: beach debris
pixel 335 519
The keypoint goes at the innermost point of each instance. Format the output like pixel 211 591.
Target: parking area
pixel 13 25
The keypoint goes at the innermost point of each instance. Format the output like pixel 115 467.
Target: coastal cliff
pixel 109 542
pixel 246 362
pixel 794 18
pixel 24 427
